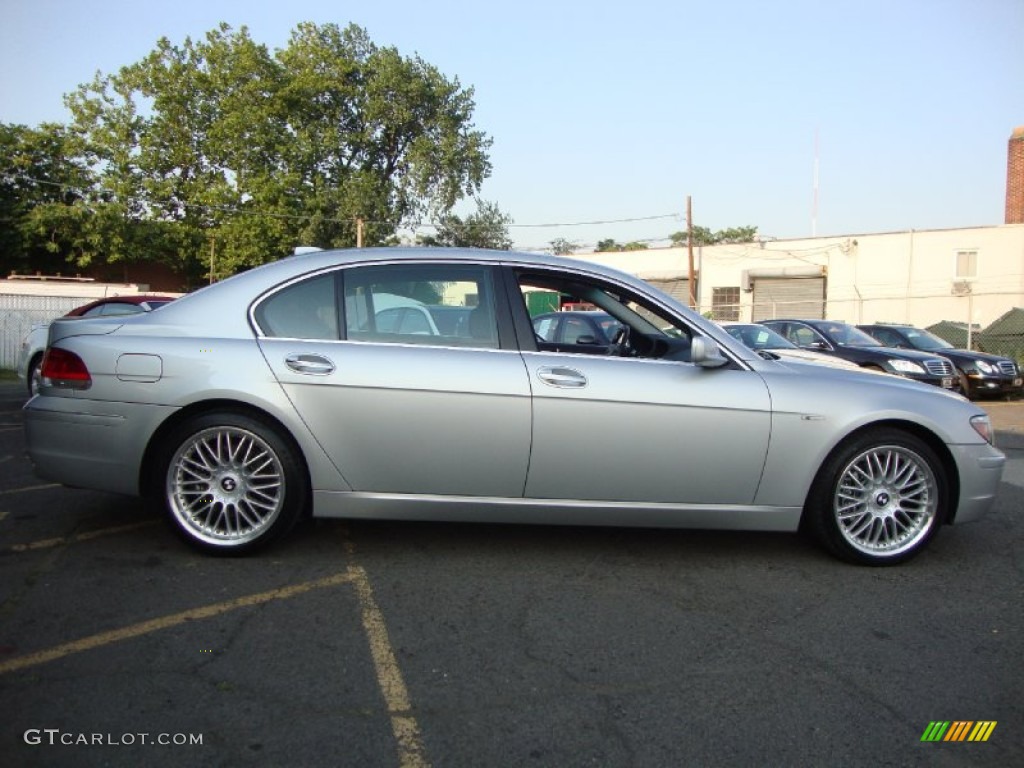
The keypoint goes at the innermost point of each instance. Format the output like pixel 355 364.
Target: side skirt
pixel 478 509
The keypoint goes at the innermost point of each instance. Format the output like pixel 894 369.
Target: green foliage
pixel 487 228
pixel 219 140
pixel 560 246
pixel 608 245
pixel 704 236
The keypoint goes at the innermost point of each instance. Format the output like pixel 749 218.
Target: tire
pixel 230 483
pixel 32 377
pixel 879 498
pixel 965 385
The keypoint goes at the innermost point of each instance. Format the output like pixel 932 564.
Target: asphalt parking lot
pixel 388 644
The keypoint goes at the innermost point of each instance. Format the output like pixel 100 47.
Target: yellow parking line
pixel 30 488
pixel 389 676
pixel 56 542
pixel 165 622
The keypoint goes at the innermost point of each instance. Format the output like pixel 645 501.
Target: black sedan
pixel 850 343
pixel 979 372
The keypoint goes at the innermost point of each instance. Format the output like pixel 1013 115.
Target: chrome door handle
pixel 565 378
pixel 313 364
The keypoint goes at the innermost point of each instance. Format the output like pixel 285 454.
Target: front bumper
pixel 996 385
pixel 981 469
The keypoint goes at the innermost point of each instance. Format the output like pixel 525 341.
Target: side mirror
pixel 706 353
pixel 586 339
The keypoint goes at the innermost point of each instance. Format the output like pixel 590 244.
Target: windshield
pixel 847 336
pixel 925 340
pixel 758 337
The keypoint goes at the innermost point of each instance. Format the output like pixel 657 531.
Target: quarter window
pixel 305 310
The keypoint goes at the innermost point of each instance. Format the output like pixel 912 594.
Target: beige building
pixel 918 277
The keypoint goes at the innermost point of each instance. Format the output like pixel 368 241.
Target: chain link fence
pixel 19 313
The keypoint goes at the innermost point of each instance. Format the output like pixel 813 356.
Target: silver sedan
pixel 285 389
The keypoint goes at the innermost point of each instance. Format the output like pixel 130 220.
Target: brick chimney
pixel 1015 178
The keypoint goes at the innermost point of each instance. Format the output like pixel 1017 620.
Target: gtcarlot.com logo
pixel 56 737
pixel 958 730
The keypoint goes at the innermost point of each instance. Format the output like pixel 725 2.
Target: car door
pixel 641 429
pixel 408 413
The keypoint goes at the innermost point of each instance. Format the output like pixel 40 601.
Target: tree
pixel 608 245
pixel 260 152
pixel 635 245
pixel 561 247
pixel 40 178
pixel 704 236
pixel 487 228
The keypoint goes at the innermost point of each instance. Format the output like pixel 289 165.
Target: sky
pixel 798 117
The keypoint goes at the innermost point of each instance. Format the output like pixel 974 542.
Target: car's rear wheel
pixel 231 483
pixel 878 499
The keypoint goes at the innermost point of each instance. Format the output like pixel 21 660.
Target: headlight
pixel 985 367
pixel 905 366
pixel 983 427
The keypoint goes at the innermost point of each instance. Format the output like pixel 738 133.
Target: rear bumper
pixel 90 443
pixel 981 469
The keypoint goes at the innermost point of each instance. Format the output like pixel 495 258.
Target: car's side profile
pixel 979 373
pixel 243 404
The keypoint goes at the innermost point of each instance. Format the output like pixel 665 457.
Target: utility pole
pixel 359 232
pixel 689 247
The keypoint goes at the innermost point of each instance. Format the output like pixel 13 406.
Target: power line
pixel 432 224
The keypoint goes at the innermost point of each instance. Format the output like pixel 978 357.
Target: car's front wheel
pixel 230 482
pixel 878 499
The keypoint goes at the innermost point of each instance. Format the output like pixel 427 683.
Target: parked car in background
pixel 242 405
pixel 577 330
pixel 772 346
pixel 979 373
pixel 850 343
pixel 30 355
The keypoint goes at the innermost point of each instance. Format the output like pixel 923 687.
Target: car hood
pixel 808 356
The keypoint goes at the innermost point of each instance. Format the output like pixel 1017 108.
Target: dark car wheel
pixel 33 377
pixel 230 482
pixel 878 499
pixel 965 385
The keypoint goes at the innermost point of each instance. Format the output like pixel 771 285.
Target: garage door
pixel 802 297
pixel 676 287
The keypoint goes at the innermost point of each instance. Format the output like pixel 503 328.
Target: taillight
pixel 61 368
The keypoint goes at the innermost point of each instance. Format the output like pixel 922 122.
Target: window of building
pixel 966 265
pixel 725 304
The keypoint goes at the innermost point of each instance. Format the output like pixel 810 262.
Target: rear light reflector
pixel 61 368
